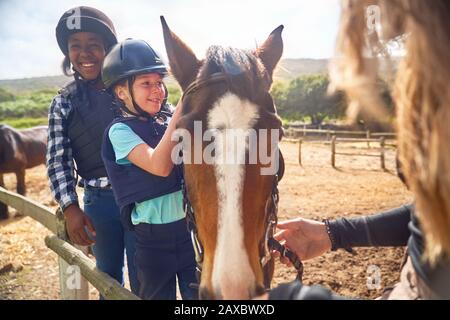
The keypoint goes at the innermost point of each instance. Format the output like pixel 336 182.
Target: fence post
pixel 328 134
pixel 304 129
pixel 333 150
pixel 3 206
pixel 368 137
pixel 300 151
pixel 382 143
pixel 73 285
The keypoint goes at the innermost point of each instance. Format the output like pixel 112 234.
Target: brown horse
pixel 229 90
pixel 20 150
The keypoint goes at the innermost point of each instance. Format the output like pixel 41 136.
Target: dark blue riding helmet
pixel 130 58
pixel 85 19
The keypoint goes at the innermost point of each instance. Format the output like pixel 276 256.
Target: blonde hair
pixel 421 95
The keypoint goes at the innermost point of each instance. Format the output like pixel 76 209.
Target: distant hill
pixel 31 84
pixel 18 86
pixel 287 69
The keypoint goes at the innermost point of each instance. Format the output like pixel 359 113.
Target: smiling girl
pixel 78 117
pixel 137 153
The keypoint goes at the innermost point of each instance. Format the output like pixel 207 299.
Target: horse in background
pixel 229 90
pixel 20 150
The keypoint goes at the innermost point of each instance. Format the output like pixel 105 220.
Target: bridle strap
pixel 192 228
pixel 269 243
pixel 197 84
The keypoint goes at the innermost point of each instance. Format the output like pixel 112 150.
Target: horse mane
pixel 247 76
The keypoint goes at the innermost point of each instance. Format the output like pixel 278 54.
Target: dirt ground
pixel 29 270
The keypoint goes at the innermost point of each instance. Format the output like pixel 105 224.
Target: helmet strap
pixel 124 108
pixel 166 95
pixel 141 112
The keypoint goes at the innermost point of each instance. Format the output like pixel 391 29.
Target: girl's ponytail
pixel 67 67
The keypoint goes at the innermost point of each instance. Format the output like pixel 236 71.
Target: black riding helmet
pixel 84 19
pixel 128 59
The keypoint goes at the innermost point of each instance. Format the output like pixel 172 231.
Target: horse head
pixel 226 99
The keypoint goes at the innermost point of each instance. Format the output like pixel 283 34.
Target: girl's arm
pixel 60 165
pixel 60 171
pixel 157 161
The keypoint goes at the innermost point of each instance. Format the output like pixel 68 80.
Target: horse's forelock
pixel 246 74
pixel 225 59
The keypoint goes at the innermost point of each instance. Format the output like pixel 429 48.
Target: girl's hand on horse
pixel 76 220
pixel 178 110
pixel 307 238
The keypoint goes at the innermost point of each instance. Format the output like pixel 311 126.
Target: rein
pixel 270 243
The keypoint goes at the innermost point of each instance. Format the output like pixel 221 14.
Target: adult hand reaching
pixel 307 238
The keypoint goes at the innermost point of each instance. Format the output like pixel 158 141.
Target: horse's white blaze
pixel 232 276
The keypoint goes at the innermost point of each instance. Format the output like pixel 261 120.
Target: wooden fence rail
pixel 335 140
pixel 109 287
pixel 68 255
pixel 329 133
pixel 381 154
pixel 30 208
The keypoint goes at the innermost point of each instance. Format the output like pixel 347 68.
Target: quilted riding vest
pixel 90 115
pixel 130 183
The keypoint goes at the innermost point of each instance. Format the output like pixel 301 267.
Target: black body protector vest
pixel 91 113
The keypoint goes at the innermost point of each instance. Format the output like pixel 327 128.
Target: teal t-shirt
pixel 165 209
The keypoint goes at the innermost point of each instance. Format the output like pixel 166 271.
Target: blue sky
pixel 29 49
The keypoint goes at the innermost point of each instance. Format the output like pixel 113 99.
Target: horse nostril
pixel 205 294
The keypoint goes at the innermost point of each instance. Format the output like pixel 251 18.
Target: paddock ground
pixel 29 270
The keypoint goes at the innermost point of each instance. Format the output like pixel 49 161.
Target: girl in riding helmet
pixel 137 154
pixel 78 117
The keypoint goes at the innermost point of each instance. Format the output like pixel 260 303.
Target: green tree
pixel 33 104
pixel 367 121
pixel 5 95
pixel 279 95
pixel 307 97
pixel 174 94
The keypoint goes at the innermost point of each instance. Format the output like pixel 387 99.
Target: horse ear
pixel 183 63
pixel 271 50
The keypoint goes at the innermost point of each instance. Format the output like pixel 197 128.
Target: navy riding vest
pixel 130 183
pixel 91 113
